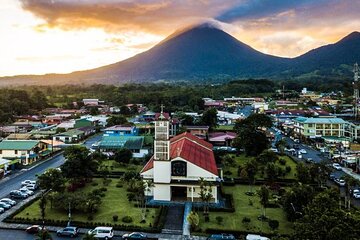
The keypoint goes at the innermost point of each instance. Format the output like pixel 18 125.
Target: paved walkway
pixel 351 173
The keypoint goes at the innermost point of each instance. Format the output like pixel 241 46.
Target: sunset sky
pixel 60 36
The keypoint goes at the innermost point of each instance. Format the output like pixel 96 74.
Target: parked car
pixel 310 160
pixel 134 235
pixel 18 194
pixel 31 187
pixel 68 231
pixel 302 151
pixel 340 182
pixel 26 182
pixel 356 195
pixel 26 191
pixel 336 166
pixel 8 201
pixel 256 237
pixel 2 210
pixel 102 232
pixel 5 206
pixel 297 140
pixel 222 236
pixel 33 229
pixel 332 176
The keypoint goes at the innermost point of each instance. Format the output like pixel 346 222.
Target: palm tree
pixel 205 194
pixel 264 198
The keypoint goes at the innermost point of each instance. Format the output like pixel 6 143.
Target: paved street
pixel 13 182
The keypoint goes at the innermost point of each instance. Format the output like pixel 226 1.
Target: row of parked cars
pixel 6 203
pixel 106 233
pixel 27 189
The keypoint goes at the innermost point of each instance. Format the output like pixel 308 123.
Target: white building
pixel 178 164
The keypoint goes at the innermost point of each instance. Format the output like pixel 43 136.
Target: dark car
pixel 18 194
pixel 68 231
pixel 33 229
pixel 134 235
pixel 222 236
pixel 332 176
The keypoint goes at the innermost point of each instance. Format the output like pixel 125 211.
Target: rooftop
pixel 320 120
pixel 18 144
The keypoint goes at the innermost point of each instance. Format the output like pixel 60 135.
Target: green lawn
pixel 114 166
pixel 114 203
pixel 225 128
pixel 232 171
pixel 233 221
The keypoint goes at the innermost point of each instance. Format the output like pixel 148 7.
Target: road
pixel 14 182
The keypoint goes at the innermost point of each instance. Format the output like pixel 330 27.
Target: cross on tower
pixel 162 108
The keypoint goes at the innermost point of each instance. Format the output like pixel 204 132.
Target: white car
pixel 31 187
pixel 302 151
pixel 356 195
pixel 340 182
pixel 26 191
pixel 336 166
pixel 8 201
pixel 2 210
pixel 26 182
pixel 102 232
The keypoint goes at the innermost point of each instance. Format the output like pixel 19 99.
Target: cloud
pixel 156 16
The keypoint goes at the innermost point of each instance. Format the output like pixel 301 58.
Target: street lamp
pixel 69 215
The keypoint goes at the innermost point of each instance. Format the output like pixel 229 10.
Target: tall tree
pixel 251 170
pixel 205 195
pixel 123 155
pixel 52 179
pixel 264 194
pixel 209 118
pixel 79 164
pixel 323 219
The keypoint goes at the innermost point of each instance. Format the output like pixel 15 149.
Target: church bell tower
pixel 162 164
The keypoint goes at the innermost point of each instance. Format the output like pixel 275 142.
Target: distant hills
pixel 205 53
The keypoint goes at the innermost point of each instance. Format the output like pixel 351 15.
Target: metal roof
pixel 18 144
pixel 116 142
pixel 320 120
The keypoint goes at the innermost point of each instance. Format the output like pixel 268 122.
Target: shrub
pixel 246 220
pixel 127 219
pixel 119 185
pixel 219 220
pixel 287 169
pixel 131 197
pixel 90 218
pixel 104 189
pixel 273 224
pixel 282 161
pixel 94 184
pixel 115 218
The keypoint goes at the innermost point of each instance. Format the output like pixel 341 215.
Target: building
pixel 121 130
pixel 221 138
pixel 84 122
pixel 92 102
pixel 199 131
pixel 27 151
pixel 71 136
pixel 319 127
pixel 133 143
pixel 177 166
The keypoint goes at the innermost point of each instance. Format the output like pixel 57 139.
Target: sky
pixel 61 36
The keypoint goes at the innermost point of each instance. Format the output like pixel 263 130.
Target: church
pixel 178 164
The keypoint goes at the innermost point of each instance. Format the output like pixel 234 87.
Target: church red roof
pixel 191 149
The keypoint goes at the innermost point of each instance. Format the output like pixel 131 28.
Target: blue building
pixel 119 130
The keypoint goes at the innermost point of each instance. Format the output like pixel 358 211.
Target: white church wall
pixel 162 171
pixel 162 192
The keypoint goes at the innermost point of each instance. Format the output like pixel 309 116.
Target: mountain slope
pixel 200 52
pixel 346 51
pixel 206 52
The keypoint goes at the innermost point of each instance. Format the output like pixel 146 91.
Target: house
pixel 121 130
pixel 27 151
pixel 19 136
pixel 92 102
pixel 177 166
pixel 85 122
pixel 319 127
pixel 133 143
pixel 71 136
pixel 221 138
pixel 67 125
pixel 199 131
pixel 88 130
pixel 99 120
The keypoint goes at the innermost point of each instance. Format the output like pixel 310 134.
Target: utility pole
pixel 356 90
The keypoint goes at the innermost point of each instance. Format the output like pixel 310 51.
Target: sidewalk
pixel 350 172
pixel 5 179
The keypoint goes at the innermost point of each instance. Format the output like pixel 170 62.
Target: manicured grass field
pixel 114 166
pixel 232 171
pixel 114 203
pixel 233 221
